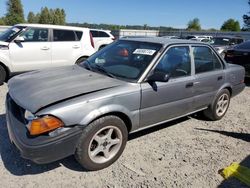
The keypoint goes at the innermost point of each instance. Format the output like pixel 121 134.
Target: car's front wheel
pixel 219 107
pixel 101 143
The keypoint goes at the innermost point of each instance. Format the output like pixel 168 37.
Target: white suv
pixel 101 38
pixel 26 47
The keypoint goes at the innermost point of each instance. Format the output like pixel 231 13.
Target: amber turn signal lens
pixel 44 124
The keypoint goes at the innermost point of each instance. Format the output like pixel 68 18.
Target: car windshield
pixel 221 41
pixel 10 33
pixel 123 59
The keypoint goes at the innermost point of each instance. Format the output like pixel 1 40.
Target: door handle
pixel 219 78
pixel 45 48
pixel 75 46
pixel 191 84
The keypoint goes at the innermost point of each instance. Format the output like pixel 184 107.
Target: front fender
pixel 132 115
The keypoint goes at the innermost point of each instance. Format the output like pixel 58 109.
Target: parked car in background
pixel 222 43
pixel 206 40
pixel 171 37
pixel 88 110
pixel 26 47
pixel 101 38
pixel 240 55
pixel 198 37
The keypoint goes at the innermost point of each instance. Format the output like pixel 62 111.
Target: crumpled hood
pixel 37 89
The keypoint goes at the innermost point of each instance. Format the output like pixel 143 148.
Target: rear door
pixel 162 101
pixel 33 53
pixel 66 47
pixel 209 75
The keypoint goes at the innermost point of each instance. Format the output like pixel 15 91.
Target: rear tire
pixel 101 143
pixel 81 59
pixel 101 47
pixel 219 107
pixel 3 75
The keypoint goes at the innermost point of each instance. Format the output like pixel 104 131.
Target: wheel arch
pixel 118 111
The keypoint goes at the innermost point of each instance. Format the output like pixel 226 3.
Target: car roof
pixel 53 26
pixel 100 30
pixel 162 40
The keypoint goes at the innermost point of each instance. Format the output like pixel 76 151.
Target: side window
pixel 176 62
pixel 103 34
pixel 35 35
pixel 79 35
pixel 205 60
pixel 63 35
pixel 94 33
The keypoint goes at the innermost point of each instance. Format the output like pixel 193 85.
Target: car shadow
pixel 18 166
pixel 156 128
pixel 247 82
pixel 241 136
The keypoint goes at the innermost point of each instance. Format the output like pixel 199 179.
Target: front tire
pixel 219 107
pixel 3 75
pixel 101 143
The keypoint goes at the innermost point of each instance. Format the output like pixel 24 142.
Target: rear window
pixel 79 35
pixel 205 60
pixel 245 45
pixel 94 33
pixel 99 33
pixel 64 35
pixel 103 34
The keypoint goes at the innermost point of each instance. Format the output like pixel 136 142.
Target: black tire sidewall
pixel 87 135
pixel 81 60
pixel 2 75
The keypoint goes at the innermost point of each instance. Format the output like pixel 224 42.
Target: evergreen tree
pixel 32 18
pixel 14 12
pixel 246 19
pixel 45 16
pixel 194 24
pixel 230 25
pixel 2 22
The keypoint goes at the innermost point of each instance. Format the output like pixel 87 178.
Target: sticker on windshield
pixel 144 52
pixel 15 29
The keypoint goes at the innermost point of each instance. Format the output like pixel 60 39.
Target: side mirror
pixel 19 39
pixel 158 77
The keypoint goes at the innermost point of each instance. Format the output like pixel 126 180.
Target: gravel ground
pixel 184 153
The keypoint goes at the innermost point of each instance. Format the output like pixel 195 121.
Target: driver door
pixel 162 101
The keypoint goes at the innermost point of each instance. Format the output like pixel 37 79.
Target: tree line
pixel 57 16
pixel 15 15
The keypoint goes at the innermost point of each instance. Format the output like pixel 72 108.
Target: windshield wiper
pixel 103 70
pixel 87 65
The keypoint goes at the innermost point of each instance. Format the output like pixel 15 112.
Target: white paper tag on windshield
pixel 15 29
pixel 144 52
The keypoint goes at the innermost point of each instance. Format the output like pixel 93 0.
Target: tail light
pixel 91 40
